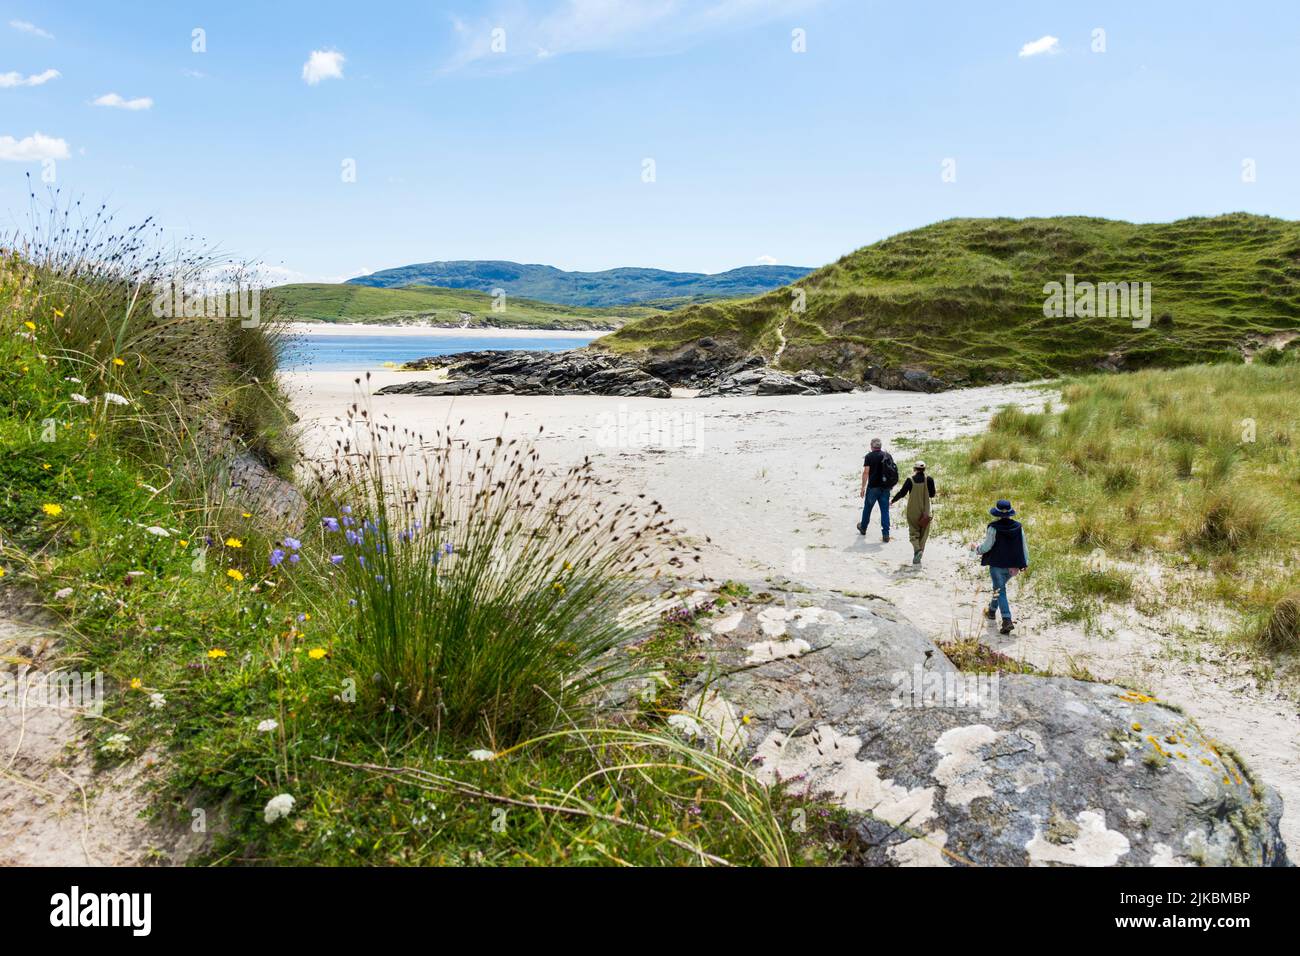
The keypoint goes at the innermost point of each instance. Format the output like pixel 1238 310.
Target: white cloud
pixel 544 31
pixel 766 260
pixel 32 149
pixel 323 65
pixel 1047 44
pixel 121 103
pixel 35 79
pixel 22 26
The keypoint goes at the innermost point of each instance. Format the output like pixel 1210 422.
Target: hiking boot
pixel 861 530
pixel 1006 627
pixel 990 614
pixel 916 557
pixel 884 539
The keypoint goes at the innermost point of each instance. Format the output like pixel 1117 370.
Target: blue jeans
pixel 1000 578
pixel 876 495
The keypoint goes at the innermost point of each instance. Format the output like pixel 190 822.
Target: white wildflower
pixel 157 531
pixel 278 807
pixel 157 701
pixel 80 399
pixel 115 745
pixel 62 594
pixel 687 725
pixel 482 755
pixel 266 726
pixel 116 399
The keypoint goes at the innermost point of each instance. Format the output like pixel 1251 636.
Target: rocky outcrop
pixel 698 365
pixel 838 698
pixel 579 372
pixel 751 378
pixel 277 503
pixel 905 379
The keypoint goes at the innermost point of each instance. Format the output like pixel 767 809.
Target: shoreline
pixel 354 328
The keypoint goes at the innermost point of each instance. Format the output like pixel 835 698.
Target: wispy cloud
pixel 23 26
pixel 512 36
pixel 323 65
pixel 117 102
pixel 32 149
pixel 766 260
pixel 1047 44
pixel 35 79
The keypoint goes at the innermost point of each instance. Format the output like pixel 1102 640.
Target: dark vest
pixel 1008 549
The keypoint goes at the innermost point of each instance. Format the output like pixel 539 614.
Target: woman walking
pixel 1005 553
pixel 918 490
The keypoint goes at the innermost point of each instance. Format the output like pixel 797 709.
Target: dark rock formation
pixel 839 698
pixel 905 379
pixel 750 378
pixel 698 365
pixel 579 372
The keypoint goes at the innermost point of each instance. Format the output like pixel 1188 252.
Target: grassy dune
pixel 1194 471
pixel 963 299
pixel 450 718
pixel 330 302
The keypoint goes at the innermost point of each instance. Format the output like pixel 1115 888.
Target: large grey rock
pixel 578 372
pixel 276 502
pixel 838 697
pixel 752 379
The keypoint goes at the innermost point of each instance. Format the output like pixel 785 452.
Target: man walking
pixel 918 490
pixel 879 474
pixel 1005 553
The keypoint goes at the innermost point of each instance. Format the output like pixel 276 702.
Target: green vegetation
pixel 396 710
pixel 609 288
pixel 328 302
pixel 964 300
pixel 1193 473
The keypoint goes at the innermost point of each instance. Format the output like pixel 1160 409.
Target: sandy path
pixel 55 809
pixel 773 483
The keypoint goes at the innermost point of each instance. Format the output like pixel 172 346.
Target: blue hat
pixel 1003 509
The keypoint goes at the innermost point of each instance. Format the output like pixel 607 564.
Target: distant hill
pixel 338 302
pixel 963 300
pixel 612 287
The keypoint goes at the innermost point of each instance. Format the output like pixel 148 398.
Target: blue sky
pixel 536 153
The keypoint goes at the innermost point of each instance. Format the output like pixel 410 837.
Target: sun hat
pixel 1003 509
pixel 919 466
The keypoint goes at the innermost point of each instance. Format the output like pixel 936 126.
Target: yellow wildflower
pixel 136 683
pixel 30 325
pixel 235 573
pixel 52 510
pixel 216 652
pixel 234 543
pixel 58 313
pixel 316 653
pixel 118 361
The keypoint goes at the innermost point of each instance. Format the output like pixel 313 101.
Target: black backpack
pixel 889 470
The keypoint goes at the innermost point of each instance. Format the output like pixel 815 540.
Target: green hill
pixel 964 300
pixel 333 302
pixel 612 287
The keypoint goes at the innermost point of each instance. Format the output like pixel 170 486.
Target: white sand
pixel 331 328
pixel 773 482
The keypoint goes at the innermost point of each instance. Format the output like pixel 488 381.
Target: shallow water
pixel 321 352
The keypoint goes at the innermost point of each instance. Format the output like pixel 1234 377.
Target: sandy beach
pixel 773 484
pixel 415 329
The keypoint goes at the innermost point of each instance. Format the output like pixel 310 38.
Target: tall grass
pixel 488 590
pixel 1197 468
